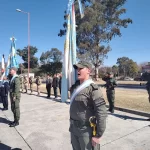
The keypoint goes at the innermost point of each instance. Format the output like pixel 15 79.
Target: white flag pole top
pixel 13 39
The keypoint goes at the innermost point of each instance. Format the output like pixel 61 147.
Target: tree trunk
pixel 96 73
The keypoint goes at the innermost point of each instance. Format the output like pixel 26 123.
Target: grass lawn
pixel 127 98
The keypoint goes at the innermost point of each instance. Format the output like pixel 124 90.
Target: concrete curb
pixel 132 111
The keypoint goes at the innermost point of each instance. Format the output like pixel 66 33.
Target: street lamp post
pixel 28 40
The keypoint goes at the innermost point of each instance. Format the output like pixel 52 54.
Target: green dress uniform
pixel 87 103
pixel 148 89
pixel 110 91
pixel 15 96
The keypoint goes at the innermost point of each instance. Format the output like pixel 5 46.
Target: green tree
pixel 53 55
pixel 115 70
pixel 102 22
pixel 127 67
pixel 51 61
pixel 51 68
pixel 132 68
pixel 24 54
pixel 21 69
pixel 56 55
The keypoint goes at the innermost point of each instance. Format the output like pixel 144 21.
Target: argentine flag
pixel 12 61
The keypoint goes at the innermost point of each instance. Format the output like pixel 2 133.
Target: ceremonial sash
pixel 80 88
pixel 13 78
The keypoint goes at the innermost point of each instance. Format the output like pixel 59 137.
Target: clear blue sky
pixel 47 19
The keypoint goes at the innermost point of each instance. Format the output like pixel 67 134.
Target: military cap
pixel 82 64
pixel 13 68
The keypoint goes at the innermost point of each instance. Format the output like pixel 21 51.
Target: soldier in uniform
pixel 110 90
pixel 38 83
pixel 49 81
pixel 21 83
pixel 55 85
pixel 86 101
pixel 148 91
pixel 4 93
pixel 31 84
pixel 60 80
pixel 25 82
pixel 15 96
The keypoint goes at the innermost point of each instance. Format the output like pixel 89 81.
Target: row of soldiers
pixel 54 82
pixel 24 83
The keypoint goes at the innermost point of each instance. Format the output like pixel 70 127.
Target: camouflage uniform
pixel 38 83
pixel 110 90
pixel 87 103
pixel 31 84
pixel 25 82
pixel 21 83
pixel 15 98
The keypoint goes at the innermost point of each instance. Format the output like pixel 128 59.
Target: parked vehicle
pixel 128 79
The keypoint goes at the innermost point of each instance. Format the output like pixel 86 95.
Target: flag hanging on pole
pixel 3 67
pixel 81 8
pixel 68 72
pixel 12 61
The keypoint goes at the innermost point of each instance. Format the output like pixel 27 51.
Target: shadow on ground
pixel 5 147
pixel 4 120
pixel 125 117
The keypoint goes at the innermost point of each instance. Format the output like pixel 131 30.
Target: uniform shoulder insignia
pixel 94 86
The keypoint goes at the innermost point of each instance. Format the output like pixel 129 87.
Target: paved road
pixel 44 126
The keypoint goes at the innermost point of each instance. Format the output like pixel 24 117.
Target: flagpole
pixel 18 10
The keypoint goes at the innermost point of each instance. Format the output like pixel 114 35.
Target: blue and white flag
pixel 3 67
pixel 81 9
pixel 12 61
pixel 68 72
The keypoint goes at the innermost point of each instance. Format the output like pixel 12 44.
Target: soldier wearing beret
pixel 110 89
pixel 15 96
pixel 86 102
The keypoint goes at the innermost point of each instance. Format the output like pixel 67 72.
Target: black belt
pixel 79 123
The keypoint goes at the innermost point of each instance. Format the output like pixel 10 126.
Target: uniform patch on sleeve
pixel 94 86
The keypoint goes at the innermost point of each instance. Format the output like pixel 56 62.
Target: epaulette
pixel 94 86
